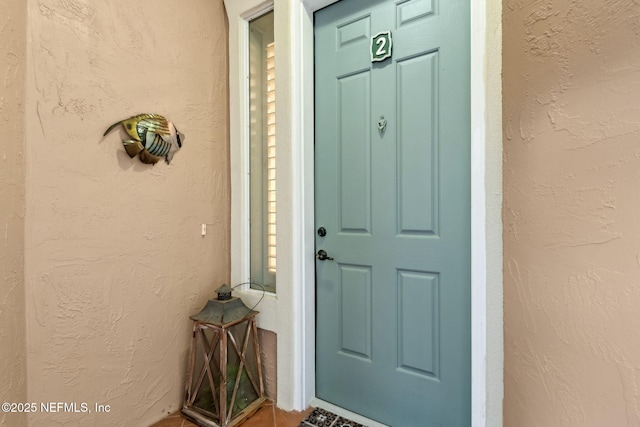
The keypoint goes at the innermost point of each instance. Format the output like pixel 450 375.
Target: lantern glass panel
pixel 247 382
pixel 206 401
pixel 242 373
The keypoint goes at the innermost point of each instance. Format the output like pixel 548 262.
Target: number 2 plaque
pixel 381 46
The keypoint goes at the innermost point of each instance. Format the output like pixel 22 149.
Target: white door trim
pixel 291 313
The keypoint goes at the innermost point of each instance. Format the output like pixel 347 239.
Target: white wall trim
pixel 291 313
pixel 486 207
pixel 285 312
pixel 478 220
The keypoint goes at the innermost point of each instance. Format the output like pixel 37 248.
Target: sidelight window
pixel 262 152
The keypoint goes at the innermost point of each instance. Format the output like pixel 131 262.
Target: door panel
pixel 412 10
pixel 418 326
pixel 355 315
pixel 355 172
pixel 393 306
pixel 418 173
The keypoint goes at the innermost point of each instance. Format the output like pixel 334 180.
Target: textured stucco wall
pixel 571 223
pixel 268 353
pixel 114 259
pixel 12 199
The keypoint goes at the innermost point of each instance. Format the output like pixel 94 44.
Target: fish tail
pixel 112 127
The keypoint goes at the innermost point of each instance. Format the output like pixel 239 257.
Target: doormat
pixel 323 418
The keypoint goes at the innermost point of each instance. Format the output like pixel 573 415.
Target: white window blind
pixel 271 158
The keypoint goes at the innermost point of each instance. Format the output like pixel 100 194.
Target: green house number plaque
pixel 381 46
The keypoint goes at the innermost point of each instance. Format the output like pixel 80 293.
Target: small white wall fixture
pixel 290 312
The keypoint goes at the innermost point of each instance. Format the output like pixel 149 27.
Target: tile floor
pixel 267 416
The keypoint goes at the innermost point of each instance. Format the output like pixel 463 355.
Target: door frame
pixel 291 312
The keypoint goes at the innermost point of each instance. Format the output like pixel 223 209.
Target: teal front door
pixel 392 189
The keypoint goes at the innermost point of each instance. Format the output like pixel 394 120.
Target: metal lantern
pixel 224 381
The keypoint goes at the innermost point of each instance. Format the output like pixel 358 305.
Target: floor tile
pixel 267 416
pixel 174 420
pixel 290 419
pixel 263 417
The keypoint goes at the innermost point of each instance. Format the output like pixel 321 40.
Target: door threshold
pixel 345 413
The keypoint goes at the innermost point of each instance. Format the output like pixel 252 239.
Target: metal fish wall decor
pixel 152 137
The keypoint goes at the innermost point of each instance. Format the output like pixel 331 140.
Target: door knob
pixel 322 255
